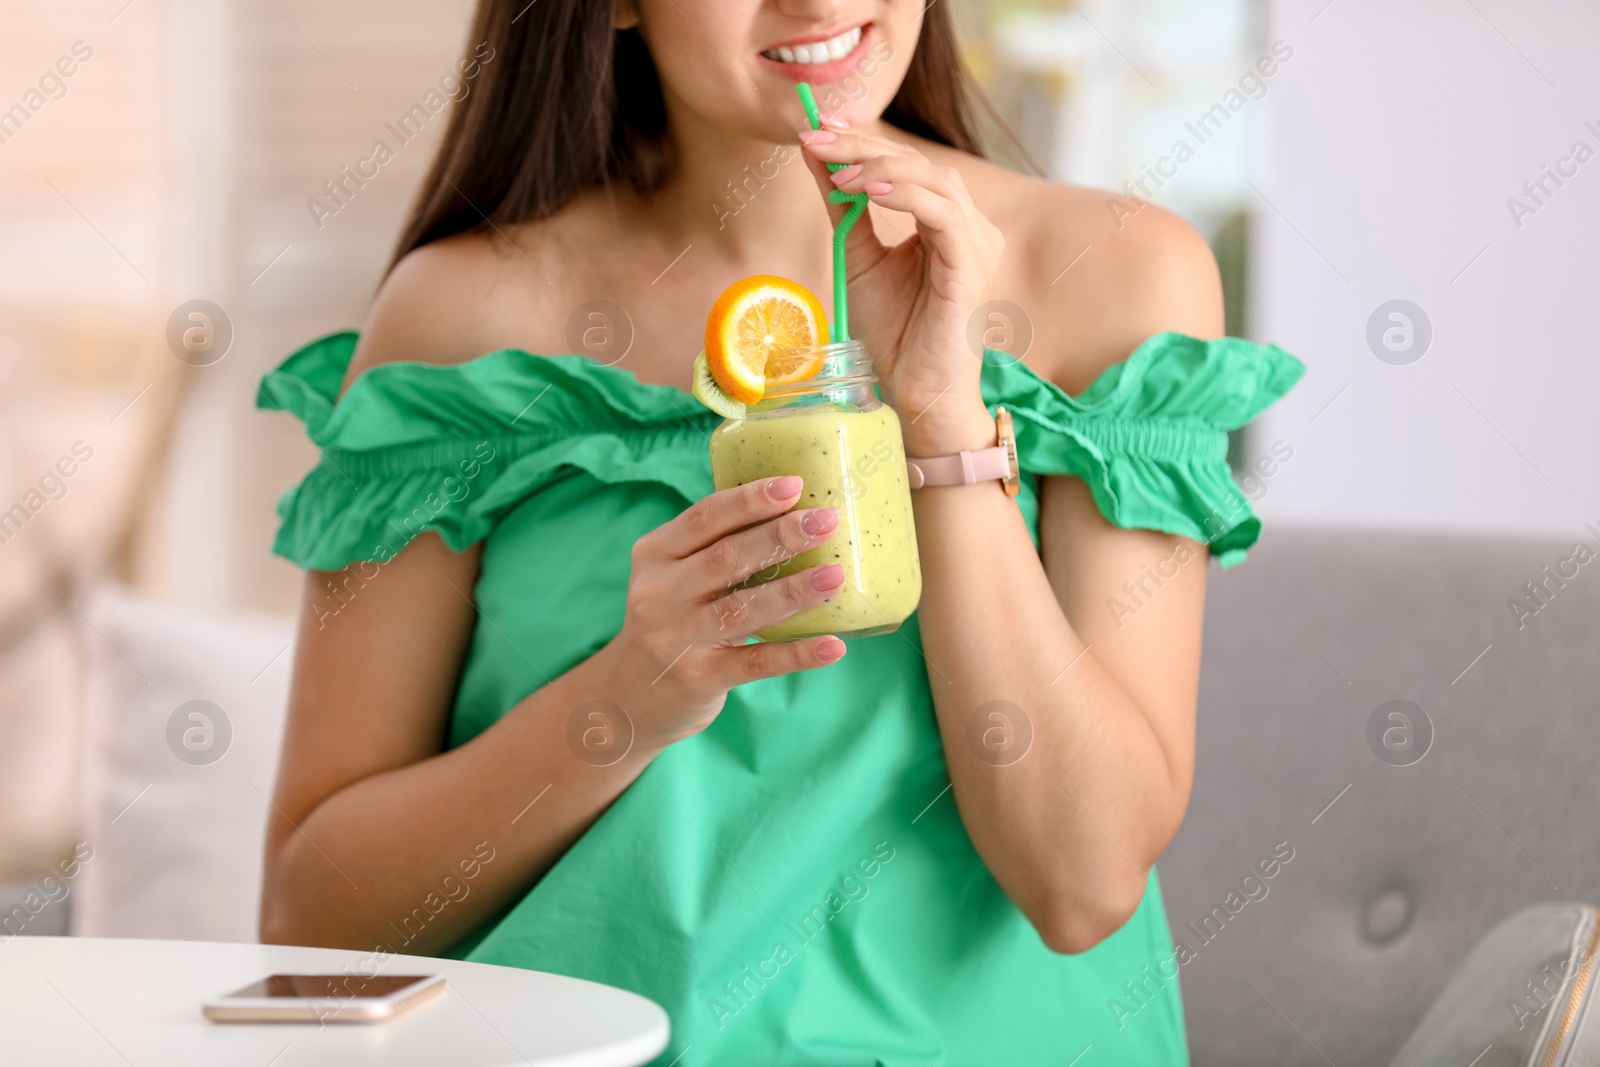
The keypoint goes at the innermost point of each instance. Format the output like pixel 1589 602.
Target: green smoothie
pixel 853 459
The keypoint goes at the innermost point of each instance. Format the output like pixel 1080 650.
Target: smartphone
pixel 332 998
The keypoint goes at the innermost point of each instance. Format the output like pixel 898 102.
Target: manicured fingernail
pixel 827 577
pixel 819 521
pixel 830 650
pixel 785 487
pixel 844 175
pixel 836 121
pixel 818 136
pixel 877 188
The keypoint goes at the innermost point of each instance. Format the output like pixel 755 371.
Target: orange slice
pixel 757 332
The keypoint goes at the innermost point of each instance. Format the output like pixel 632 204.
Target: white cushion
pixel 176 812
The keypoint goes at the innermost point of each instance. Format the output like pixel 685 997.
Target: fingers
pixel 937 215
pixel 749 663
pixel 717 515
pixel 731 560
pixel 900 178
pixel 863 244
pixel 891 161
pixel 850 146
pixel 868 176
pixel 913 168
pixel 744 611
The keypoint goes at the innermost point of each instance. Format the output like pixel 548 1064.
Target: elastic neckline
pixel 993 358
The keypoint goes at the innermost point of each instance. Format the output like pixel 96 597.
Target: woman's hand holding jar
pixel 689 609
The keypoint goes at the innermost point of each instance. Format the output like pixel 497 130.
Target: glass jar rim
pixel 830 348
pixel 843 363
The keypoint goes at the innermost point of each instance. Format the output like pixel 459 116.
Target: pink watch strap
pixel 962 468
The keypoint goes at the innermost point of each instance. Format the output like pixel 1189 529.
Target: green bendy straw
pixel 839 329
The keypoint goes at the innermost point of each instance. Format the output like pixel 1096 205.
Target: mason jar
pixel 833 431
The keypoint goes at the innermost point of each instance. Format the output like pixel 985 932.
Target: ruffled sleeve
pixel 451 448
pixel 1150 436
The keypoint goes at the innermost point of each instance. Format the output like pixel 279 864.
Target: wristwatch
pixel 969 468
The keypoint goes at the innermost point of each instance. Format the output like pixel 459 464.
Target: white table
pixel 89 1001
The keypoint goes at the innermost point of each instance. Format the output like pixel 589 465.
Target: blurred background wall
pixel 173 164
pixel 1401 140
pixel 1340 155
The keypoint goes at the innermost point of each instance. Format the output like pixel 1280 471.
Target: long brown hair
pixel 566 102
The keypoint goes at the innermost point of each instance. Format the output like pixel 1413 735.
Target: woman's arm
pixel 1071 829
pixel 373 824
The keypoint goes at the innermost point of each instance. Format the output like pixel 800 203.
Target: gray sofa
pixel 1337 957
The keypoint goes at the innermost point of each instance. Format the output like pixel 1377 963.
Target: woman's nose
pixel 821 11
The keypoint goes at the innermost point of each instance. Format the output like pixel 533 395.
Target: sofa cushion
pixel 1399 863
pixel 182 729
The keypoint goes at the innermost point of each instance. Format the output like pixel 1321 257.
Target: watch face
pixel 1013 480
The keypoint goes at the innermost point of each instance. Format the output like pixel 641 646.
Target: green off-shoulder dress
pixel 794 885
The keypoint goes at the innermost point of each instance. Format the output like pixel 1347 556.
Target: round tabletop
pixel 85 1000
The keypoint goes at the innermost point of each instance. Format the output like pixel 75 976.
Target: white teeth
pixel 828 51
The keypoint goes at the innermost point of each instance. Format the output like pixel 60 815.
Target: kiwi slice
pixel 708 392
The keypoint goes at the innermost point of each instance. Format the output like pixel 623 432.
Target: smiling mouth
pixel 818 53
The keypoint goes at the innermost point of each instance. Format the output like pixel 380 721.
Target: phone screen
pixel 340 986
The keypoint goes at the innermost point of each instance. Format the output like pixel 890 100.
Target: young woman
pixel 935 846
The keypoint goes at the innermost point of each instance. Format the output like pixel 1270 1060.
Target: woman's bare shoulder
pixel 1109 271
pixel 1095 272
pixel 456 298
